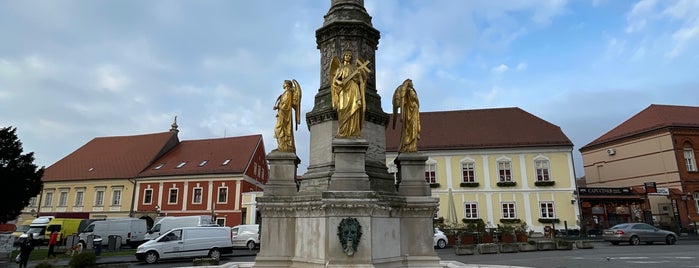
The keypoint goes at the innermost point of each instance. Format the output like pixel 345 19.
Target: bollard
pixel 97 244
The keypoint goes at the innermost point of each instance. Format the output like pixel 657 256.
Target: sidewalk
pixel 116 261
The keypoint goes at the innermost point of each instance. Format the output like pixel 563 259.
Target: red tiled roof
pixel 238 150
pixel 481 128
pixel 120 157
pixel 652 118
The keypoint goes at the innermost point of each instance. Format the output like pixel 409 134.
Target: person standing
pixel 53 240
pixel 25 250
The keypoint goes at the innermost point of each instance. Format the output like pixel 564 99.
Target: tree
pixel 21 179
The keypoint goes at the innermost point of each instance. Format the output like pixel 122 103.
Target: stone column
pixel 350 173
pixel 411 174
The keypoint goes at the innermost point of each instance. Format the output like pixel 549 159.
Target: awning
pixel 614 197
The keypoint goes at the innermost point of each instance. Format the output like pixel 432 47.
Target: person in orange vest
pixel 53 240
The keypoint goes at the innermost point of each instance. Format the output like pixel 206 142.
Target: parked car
pixel 440 239
pixel 635 233
pixel 187 242
pixel 246 236
pixel 167 223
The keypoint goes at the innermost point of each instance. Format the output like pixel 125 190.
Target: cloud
pixel 521 66
pixel 111 77
pixel 499 69
pixel 639 15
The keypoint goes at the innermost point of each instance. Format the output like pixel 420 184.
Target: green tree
pixel 21 179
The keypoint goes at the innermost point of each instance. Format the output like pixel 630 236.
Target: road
pixel 604 255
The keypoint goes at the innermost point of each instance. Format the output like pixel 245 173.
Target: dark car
pixel 635 233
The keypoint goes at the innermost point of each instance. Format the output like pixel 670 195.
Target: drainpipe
pixel 133 197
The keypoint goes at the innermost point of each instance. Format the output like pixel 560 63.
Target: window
pixel 32 202
pixel 431 173
pixel 468 171
pixel 63 199
pixel 196 197
pixel 221 222
pixel 173 196
pixel 180 165
pixel 542 170
pixel 471 210
pixel 79 198
pixel 116 197
pixel 203 163
pixel 159 166
pixel 505 171
pixel 225 162
pixel 99 198
pixel 222 194
pixel 147 196
pixel 689 159
pixel 547 211
pixel 508 211
pixel 48 199
pixel 696 201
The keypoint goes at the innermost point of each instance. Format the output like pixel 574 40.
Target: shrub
pixel 44 264
pixel 83 260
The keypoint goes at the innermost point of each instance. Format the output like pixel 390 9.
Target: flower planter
pixel 564 245
pixel 488 248
pixel 508 248
pixel 545 245
pixel 524 247
pixel 507 238
pixel 584 244
pixel 486 238
pixel 522 238
pixel 465 249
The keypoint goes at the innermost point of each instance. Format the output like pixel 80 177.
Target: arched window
pixel 689 159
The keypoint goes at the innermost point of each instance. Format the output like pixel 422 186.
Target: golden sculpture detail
pixel 284 128
pixel 348 84
pixel 405 99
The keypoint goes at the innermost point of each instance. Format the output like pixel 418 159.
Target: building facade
pixel 205 177
pixel 653 152
pixel 153 175
pixel 498 165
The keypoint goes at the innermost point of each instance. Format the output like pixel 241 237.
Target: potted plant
pixel 506 233
pixel 521 232
pixel 475 227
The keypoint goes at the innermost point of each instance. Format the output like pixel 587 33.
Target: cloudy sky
pixel 74 70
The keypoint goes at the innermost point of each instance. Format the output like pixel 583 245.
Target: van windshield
pixel 156 228
pixel 22 228
pixel 36 230
pixel 90 228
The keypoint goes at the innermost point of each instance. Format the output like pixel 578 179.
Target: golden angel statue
pixel 348 84
pixel 405 99
pixel 289 100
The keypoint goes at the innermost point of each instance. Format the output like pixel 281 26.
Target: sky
pixel 71 71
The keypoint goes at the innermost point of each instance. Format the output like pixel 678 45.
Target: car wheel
pixel 441 243
pixel 635 240
pixel 151 257
pixel 251 245
pixel 215 254
pixel 670 240
pixel 615 243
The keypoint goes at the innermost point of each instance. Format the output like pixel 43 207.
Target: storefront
pixel 602 208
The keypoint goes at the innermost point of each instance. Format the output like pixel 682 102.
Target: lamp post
pixel 686 199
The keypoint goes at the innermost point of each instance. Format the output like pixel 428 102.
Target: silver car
pixel 635 233
pixel 440 239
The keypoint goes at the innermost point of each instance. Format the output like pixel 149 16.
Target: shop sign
pixel 661 191
pixel 604 191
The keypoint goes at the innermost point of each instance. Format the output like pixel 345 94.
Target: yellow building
pixel 98 179
pixel 498 165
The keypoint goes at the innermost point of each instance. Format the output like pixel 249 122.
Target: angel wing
pixel 334 90
pixel 296 103
pixel 397 102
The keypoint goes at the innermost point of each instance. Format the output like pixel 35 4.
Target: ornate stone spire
pixel 174 125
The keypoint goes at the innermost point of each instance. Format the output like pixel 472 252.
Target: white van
pixel 246 236
pixel 38 229
pixel 167 223
pixel 131 230
pixel 187 242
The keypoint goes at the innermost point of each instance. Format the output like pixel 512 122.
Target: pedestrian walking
pixel 25 250
pixel 53 240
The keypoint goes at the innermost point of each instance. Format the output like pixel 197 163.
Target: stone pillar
pixel 411 174
pixel 350 156
pixel 282 173
pixel 277 231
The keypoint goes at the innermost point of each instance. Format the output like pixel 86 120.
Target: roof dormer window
pixel 203 163
pixel 225 162
pixel 159 166
pixel 180 165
